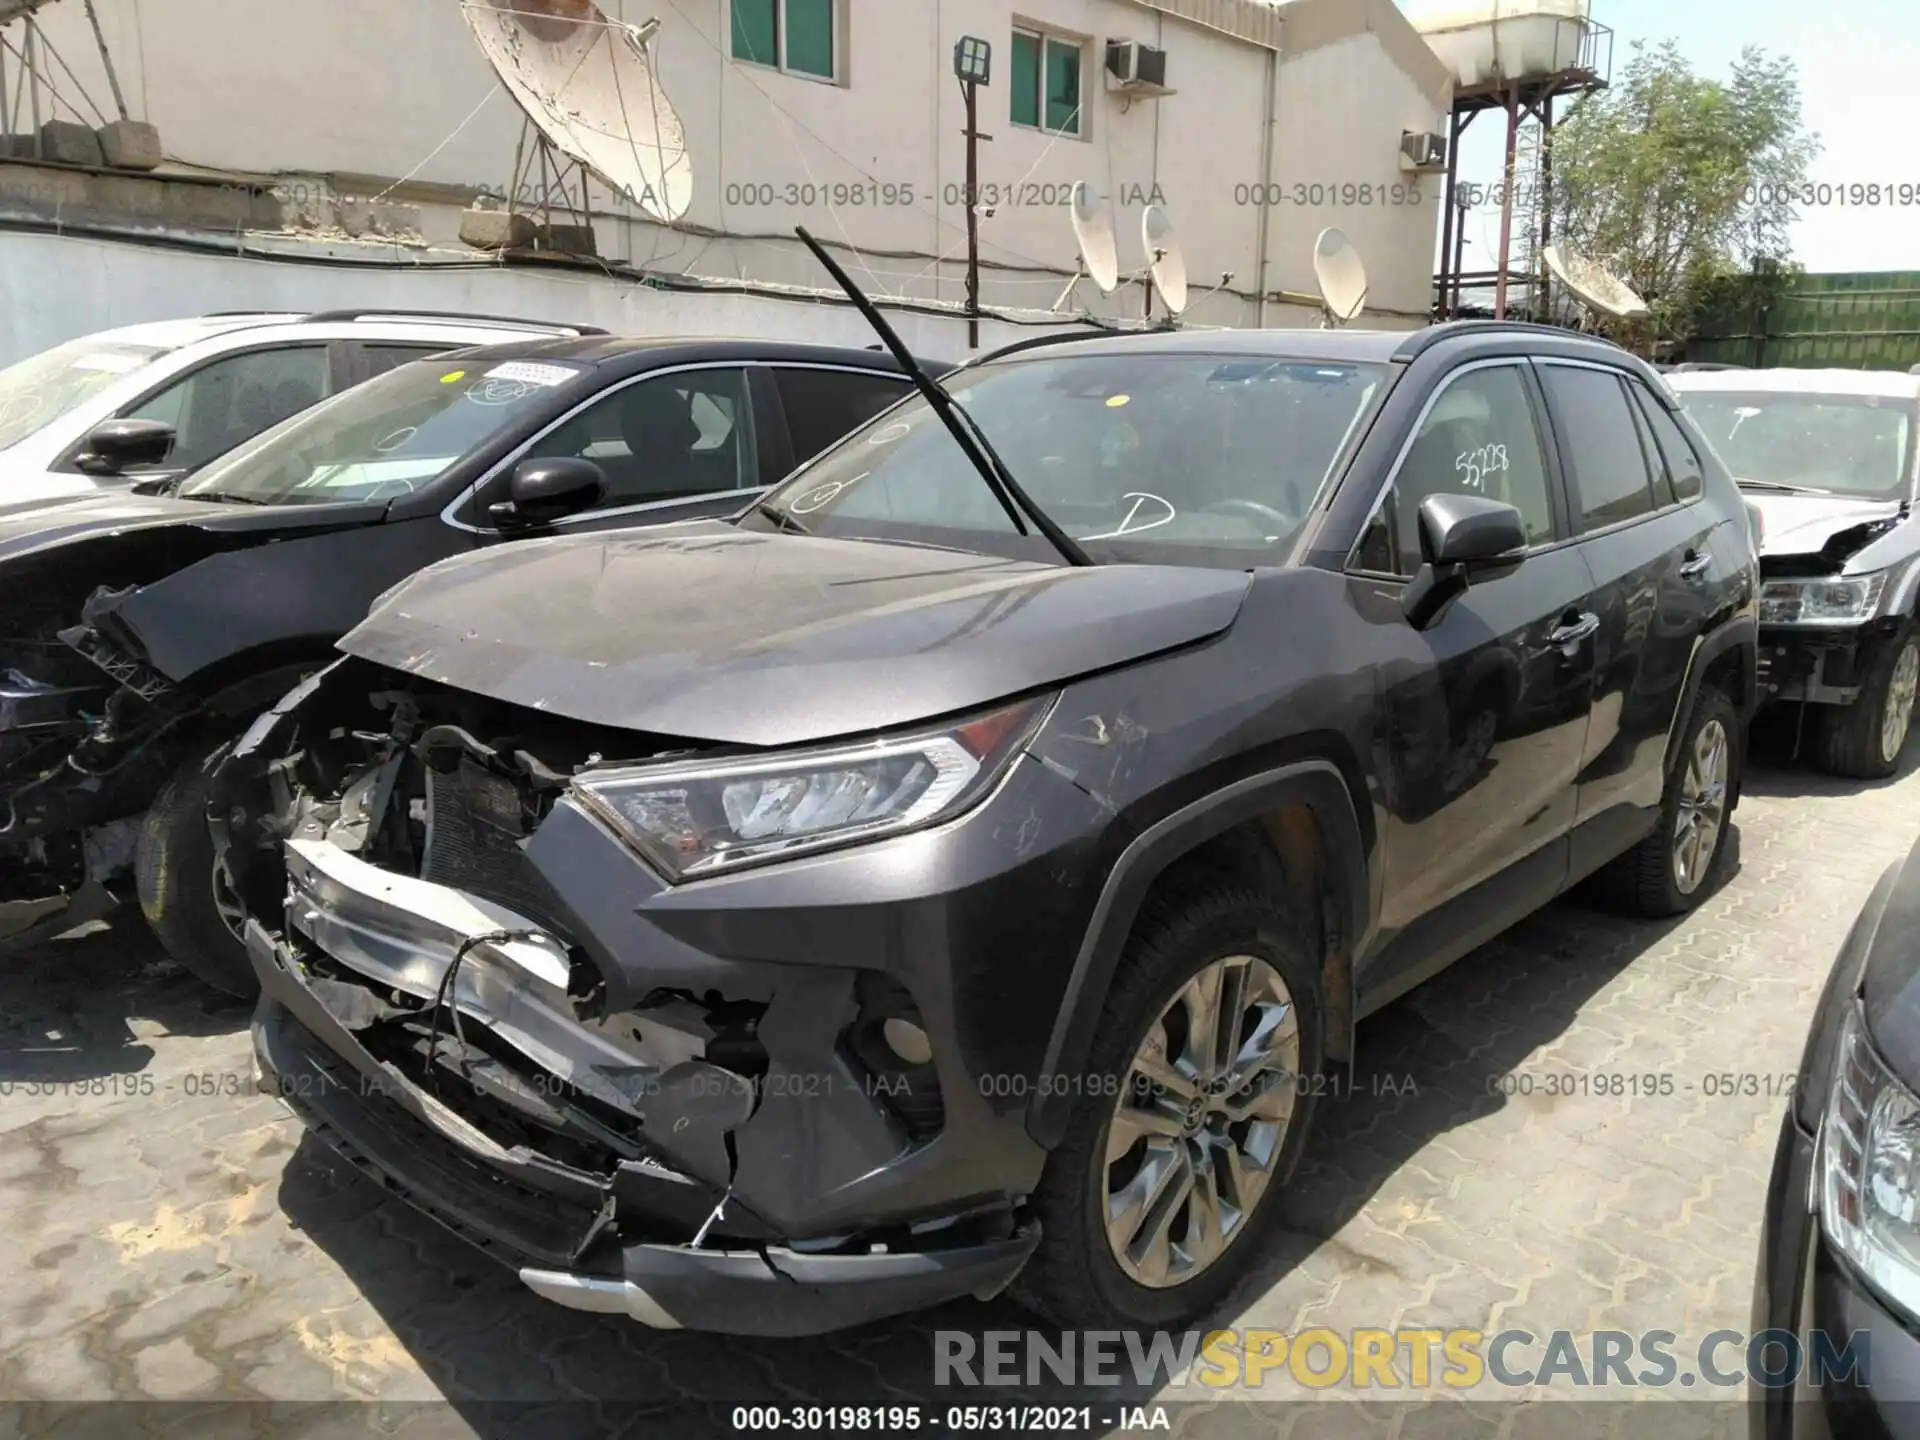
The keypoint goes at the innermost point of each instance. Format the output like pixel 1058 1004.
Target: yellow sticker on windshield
pixel 456 375
pixel 1114 402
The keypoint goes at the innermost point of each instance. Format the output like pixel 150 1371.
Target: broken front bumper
pixel 1822 666
pixel 612 1238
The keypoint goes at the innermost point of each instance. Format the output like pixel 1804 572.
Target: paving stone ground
pixel 175 1238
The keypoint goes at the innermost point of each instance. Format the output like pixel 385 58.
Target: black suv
pixel 141 632
pixel 957 871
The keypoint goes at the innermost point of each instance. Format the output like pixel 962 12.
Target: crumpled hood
pixel 29 528
pixel 706 632
pixel 1802 524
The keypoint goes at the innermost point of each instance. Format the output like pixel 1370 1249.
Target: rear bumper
pixel 587 1241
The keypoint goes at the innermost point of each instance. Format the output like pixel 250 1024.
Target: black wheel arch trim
pixel 1736 631
pixel 1318 784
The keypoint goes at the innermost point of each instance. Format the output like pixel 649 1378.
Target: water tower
pixel 1516 58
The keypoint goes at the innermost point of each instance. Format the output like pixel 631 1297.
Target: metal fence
pixel 1862 321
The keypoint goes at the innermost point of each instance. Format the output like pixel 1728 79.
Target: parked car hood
pixel 24 484
pixel 29 528
pixel 706 632
pixel 1803 524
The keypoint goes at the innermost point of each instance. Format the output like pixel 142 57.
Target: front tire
pixel 1156 1201
pixel 183 895
pixel 1670 871
pixel 1863 741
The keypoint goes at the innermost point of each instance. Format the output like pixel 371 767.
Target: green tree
pixel 1676 182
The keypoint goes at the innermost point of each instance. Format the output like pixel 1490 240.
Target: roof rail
pixel 1052 337
pixel 321 317
pixel 1421 341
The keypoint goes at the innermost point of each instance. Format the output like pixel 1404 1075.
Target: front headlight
pixel 1821 601
pixel 698 817
pixel 1870 1168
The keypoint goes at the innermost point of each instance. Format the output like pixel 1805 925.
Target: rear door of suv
pixel 1635 493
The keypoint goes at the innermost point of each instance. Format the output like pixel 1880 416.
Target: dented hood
pixel 1803 524
pixel 705 632
pixel 29 528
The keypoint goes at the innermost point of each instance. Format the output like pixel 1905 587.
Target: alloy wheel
pixel 1703 806
pixel 1199 1123
pixel 1898 714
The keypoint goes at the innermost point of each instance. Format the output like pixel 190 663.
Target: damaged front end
pixel 1828 613
pixel 83 731
pixel 461 994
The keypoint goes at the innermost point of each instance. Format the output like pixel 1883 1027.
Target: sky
pixel 1859 63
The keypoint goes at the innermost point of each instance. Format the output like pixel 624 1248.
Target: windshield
pixel 383 439
pixel 1849 444
pixel 1123 452
pixel 43 387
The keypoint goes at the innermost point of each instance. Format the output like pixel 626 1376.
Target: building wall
pixel 54 288
pixel 354 94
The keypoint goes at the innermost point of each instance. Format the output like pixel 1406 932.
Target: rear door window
pixel 822 406
pixel 1684 471
pixel 1600 443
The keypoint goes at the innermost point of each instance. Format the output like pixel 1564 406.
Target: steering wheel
pixel 1272 521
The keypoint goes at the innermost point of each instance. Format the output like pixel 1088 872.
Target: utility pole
pixel 973 65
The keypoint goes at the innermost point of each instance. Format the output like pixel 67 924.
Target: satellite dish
pixel 1093 228
pixel 1592 285
pixel 1342 276
pixel 1169 266
pixel 588 83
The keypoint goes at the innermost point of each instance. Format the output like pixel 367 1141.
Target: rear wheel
pixel 1667 873
pixel 183 894
pixel 1154 1204
pixel 1863 741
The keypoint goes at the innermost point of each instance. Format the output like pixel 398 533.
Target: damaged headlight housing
pixel 1823 600
pixel 1870 1168
pixel 696 818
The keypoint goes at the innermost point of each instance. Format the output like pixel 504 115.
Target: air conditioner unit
pixel 1136 69
pixel 1420 150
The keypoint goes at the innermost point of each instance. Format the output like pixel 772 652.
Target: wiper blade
pixel 225 497
pixel 779 517
pixel 1776 487
pixel 967 434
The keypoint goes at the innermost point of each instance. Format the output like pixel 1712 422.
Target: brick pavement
pixel 175 1238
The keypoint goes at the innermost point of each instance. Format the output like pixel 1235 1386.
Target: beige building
pixel 1273 121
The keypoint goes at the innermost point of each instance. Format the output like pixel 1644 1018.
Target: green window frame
pixel 1046 82
pixel 796 36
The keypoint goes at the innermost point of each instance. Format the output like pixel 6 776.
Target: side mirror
pixel 114 445
pixel 1462 538
pixel 540 492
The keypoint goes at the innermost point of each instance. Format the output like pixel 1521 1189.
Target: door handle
pixel 1575 631
pixel 1696 563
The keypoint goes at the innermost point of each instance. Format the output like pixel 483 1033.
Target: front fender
pixel 1317 784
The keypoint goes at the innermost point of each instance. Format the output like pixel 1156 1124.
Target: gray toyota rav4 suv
pixel 958 869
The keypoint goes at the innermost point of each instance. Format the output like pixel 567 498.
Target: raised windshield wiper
pixel 966 432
